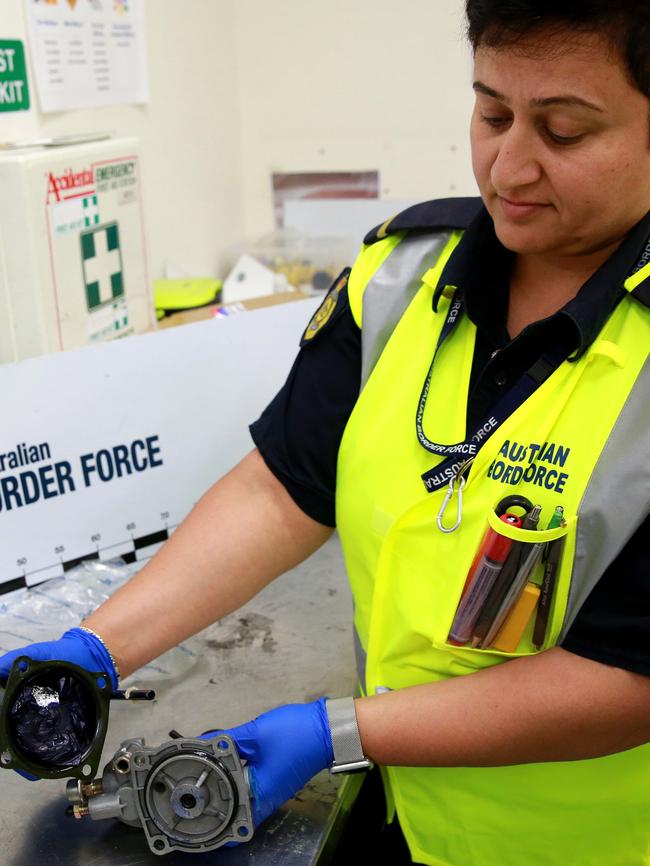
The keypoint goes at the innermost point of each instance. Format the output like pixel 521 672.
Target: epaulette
pixel 441 213
pixel 638 282
pixel 642 291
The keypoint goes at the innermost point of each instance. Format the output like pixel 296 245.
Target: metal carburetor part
pixel 188 794
pixel 53 719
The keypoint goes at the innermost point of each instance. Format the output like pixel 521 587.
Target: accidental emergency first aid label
pixel 97 247
pixel 14 92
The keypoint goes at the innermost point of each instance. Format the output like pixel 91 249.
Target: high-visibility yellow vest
pixel 582 441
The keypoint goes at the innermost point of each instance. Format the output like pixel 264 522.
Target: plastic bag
pixel 45 611
pixel 53 722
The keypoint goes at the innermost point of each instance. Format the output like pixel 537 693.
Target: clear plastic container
pixel 308 263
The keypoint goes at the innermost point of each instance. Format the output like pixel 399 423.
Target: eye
pixel 495 121
pixel 563 139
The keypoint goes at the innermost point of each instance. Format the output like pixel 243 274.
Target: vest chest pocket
pixel 512 588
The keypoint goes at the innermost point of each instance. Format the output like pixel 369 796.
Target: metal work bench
pixel 292 643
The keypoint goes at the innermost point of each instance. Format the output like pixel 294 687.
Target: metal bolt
pixel 122 764
pixel 93 789
pixel 73 792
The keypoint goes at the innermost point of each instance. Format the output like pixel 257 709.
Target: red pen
pixel 485 568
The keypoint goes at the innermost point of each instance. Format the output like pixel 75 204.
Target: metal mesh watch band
pixel 346 742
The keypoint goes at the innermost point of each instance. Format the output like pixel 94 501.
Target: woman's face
pixel 560 144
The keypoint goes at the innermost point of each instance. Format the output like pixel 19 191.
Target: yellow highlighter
pixel 510 633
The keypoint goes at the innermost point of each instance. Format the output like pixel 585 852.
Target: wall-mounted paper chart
pixel 88 53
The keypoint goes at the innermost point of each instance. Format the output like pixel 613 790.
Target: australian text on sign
pixel 56 478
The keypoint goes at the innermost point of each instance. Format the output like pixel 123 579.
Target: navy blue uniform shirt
pixel 299 433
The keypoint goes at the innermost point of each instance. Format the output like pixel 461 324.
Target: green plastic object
pixel 40 704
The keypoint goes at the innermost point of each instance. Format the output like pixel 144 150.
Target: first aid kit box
pixel 73 264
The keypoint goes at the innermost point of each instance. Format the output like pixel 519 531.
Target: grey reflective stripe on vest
pixel 385 299
pixel 361 658
pixel 390 291
pixel 617 498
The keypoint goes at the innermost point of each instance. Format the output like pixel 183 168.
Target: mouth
pixel 520 209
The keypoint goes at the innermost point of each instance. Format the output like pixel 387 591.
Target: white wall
pixel 242 88
pixel 367 84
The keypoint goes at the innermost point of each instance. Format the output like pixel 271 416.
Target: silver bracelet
pixel 103 643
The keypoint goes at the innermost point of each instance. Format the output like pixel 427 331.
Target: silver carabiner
pixel 445 503
pixel 449 494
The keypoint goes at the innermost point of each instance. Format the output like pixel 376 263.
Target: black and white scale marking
pixel 135 549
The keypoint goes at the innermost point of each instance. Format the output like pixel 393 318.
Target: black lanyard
pixel 518 393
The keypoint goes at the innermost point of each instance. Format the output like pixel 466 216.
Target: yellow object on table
pixel 185 294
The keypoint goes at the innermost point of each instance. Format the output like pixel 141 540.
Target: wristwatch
pixel 346 742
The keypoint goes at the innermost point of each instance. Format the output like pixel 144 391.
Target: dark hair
pixel 625 23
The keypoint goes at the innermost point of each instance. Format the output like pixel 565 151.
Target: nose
pixel 517 164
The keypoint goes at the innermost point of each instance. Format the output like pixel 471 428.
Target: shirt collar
pixel 603 290
pixel 480 266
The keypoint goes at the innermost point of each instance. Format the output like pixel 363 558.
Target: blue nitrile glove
pixel 284 748
pixel 76 646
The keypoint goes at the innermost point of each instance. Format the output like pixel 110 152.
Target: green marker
pixel 557 518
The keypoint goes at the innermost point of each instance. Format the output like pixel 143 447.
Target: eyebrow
pixel 568 99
